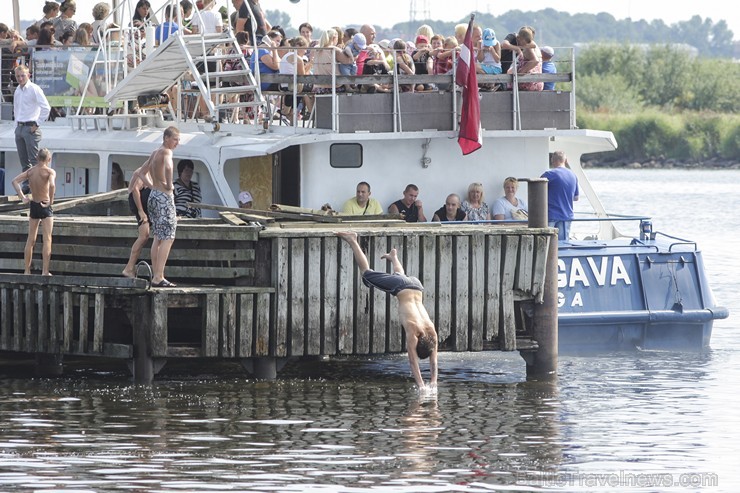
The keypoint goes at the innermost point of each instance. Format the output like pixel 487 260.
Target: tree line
pixel 639 79
pixel 660 101
pixel 562 29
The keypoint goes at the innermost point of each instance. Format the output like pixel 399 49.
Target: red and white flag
pixel 470 137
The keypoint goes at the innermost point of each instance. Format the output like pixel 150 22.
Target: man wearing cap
pixel 548 66
pixel 245 200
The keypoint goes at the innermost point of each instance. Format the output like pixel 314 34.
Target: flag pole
pixel 17 15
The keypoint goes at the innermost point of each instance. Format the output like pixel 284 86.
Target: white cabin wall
pixel 390 165
pixel 77 164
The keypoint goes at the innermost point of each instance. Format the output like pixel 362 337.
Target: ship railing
pixel 401 107
pixel 677 243
pixel 121 51
pixel 645 235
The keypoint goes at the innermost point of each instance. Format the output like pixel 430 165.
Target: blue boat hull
pixel 638 295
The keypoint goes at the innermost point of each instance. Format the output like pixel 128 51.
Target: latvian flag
pixel 470 135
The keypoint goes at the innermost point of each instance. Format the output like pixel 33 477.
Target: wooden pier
pixel 263 295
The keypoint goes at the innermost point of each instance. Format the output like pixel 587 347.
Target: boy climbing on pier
pixel 41 180
pixel 421 337
pixel 139 189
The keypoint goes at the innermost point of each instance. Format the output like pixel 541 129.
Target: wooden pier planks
pixel 55 315
pixel 317 304
pixel 225 253
pixel 474 281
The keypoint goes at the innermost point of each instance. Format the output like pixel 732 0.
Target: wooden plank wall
pixel 208 252
pixel 235 322
pixel 317 304
pixel 472 281
pixel 69 320
pixel 56 320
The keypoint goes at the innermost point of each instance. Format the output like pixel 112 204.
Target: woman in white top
pixel 295 62
pixel 504 206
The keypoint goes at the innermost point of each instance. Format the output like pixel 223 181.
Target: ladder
pixel 193 53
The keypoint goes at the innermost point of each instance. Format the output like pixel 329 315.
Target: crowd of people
pixel 472 208
pixel 562 192
pixel 349 52
pixel 341 51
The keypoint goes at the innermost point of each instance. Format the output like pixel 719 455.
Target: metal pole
pixel 17 15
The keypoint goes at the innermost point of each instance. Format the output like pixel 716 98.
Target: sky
pixel 324 13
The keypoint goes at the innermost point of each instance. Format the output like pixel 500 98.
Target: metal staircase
pixel 181 54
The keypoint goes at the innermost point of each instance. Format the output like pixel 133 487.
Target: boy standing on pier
pixel 41 180
pixel 161 205
pixel 421 337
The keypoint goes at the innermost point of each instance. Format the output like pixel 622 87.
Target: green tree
pixel 665 75
pixel 607 93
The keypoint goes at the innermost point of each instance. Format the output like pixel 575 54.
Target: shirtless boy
pixel 161 205
pixel 41 180
pixel 139 188
pixel 421 337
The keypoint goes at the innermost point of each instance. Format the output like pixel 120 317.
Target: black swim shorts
pixel 390 283
pixel 39 212
pixel 144 192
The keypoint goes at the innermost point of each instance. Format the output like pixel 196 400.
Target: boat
pixel 638 289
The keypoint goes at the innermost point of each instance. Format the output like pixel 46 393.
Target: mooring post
pixel 544 361
pixel 143 364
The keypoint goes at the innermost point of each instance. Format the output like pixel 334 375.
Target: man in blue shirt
pixel 562 191
pixel 163 31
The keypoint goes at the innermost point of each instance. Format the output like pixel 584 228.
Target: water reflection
pixel 350 428
pixel 359 425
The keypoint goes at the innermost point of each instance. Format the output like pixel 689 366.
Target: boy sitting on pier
pixel 421 337
pixel 41 180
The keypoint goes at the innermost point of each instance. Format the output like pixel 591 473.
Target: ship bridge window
pixel 345 155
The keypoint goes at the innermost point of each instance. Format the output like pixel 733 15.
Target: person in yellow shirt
pixel 362 204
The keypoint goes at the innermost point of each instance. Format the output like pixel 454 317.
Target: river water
pixel 649 421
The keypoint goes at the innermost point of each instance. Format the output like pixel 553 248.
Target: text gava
pixel 602 271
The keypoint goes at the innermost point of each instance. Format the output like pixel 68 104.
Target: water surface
pixel 650 421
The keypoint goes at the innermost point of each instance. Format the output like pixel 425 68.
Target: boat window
pixel 345 155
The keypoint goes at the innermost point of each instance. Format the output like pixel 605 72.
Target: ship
pixel 624 285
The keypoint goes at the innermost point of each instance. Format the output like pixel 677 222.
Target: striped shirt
pixel 183 195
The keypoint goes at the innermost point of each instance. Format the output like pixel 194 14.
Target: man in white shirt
pixel 208 22
pixel 30 109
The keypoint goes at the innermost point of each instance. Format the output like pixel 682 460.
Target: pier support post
pixel 49 365
pixel 143 364
pixel 543 363
pixel 264 368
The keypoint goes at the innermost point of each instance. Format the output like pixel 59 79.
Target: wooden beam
pixel 91 199
pixel 302 210
pixel 273 214
pixel 230 218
